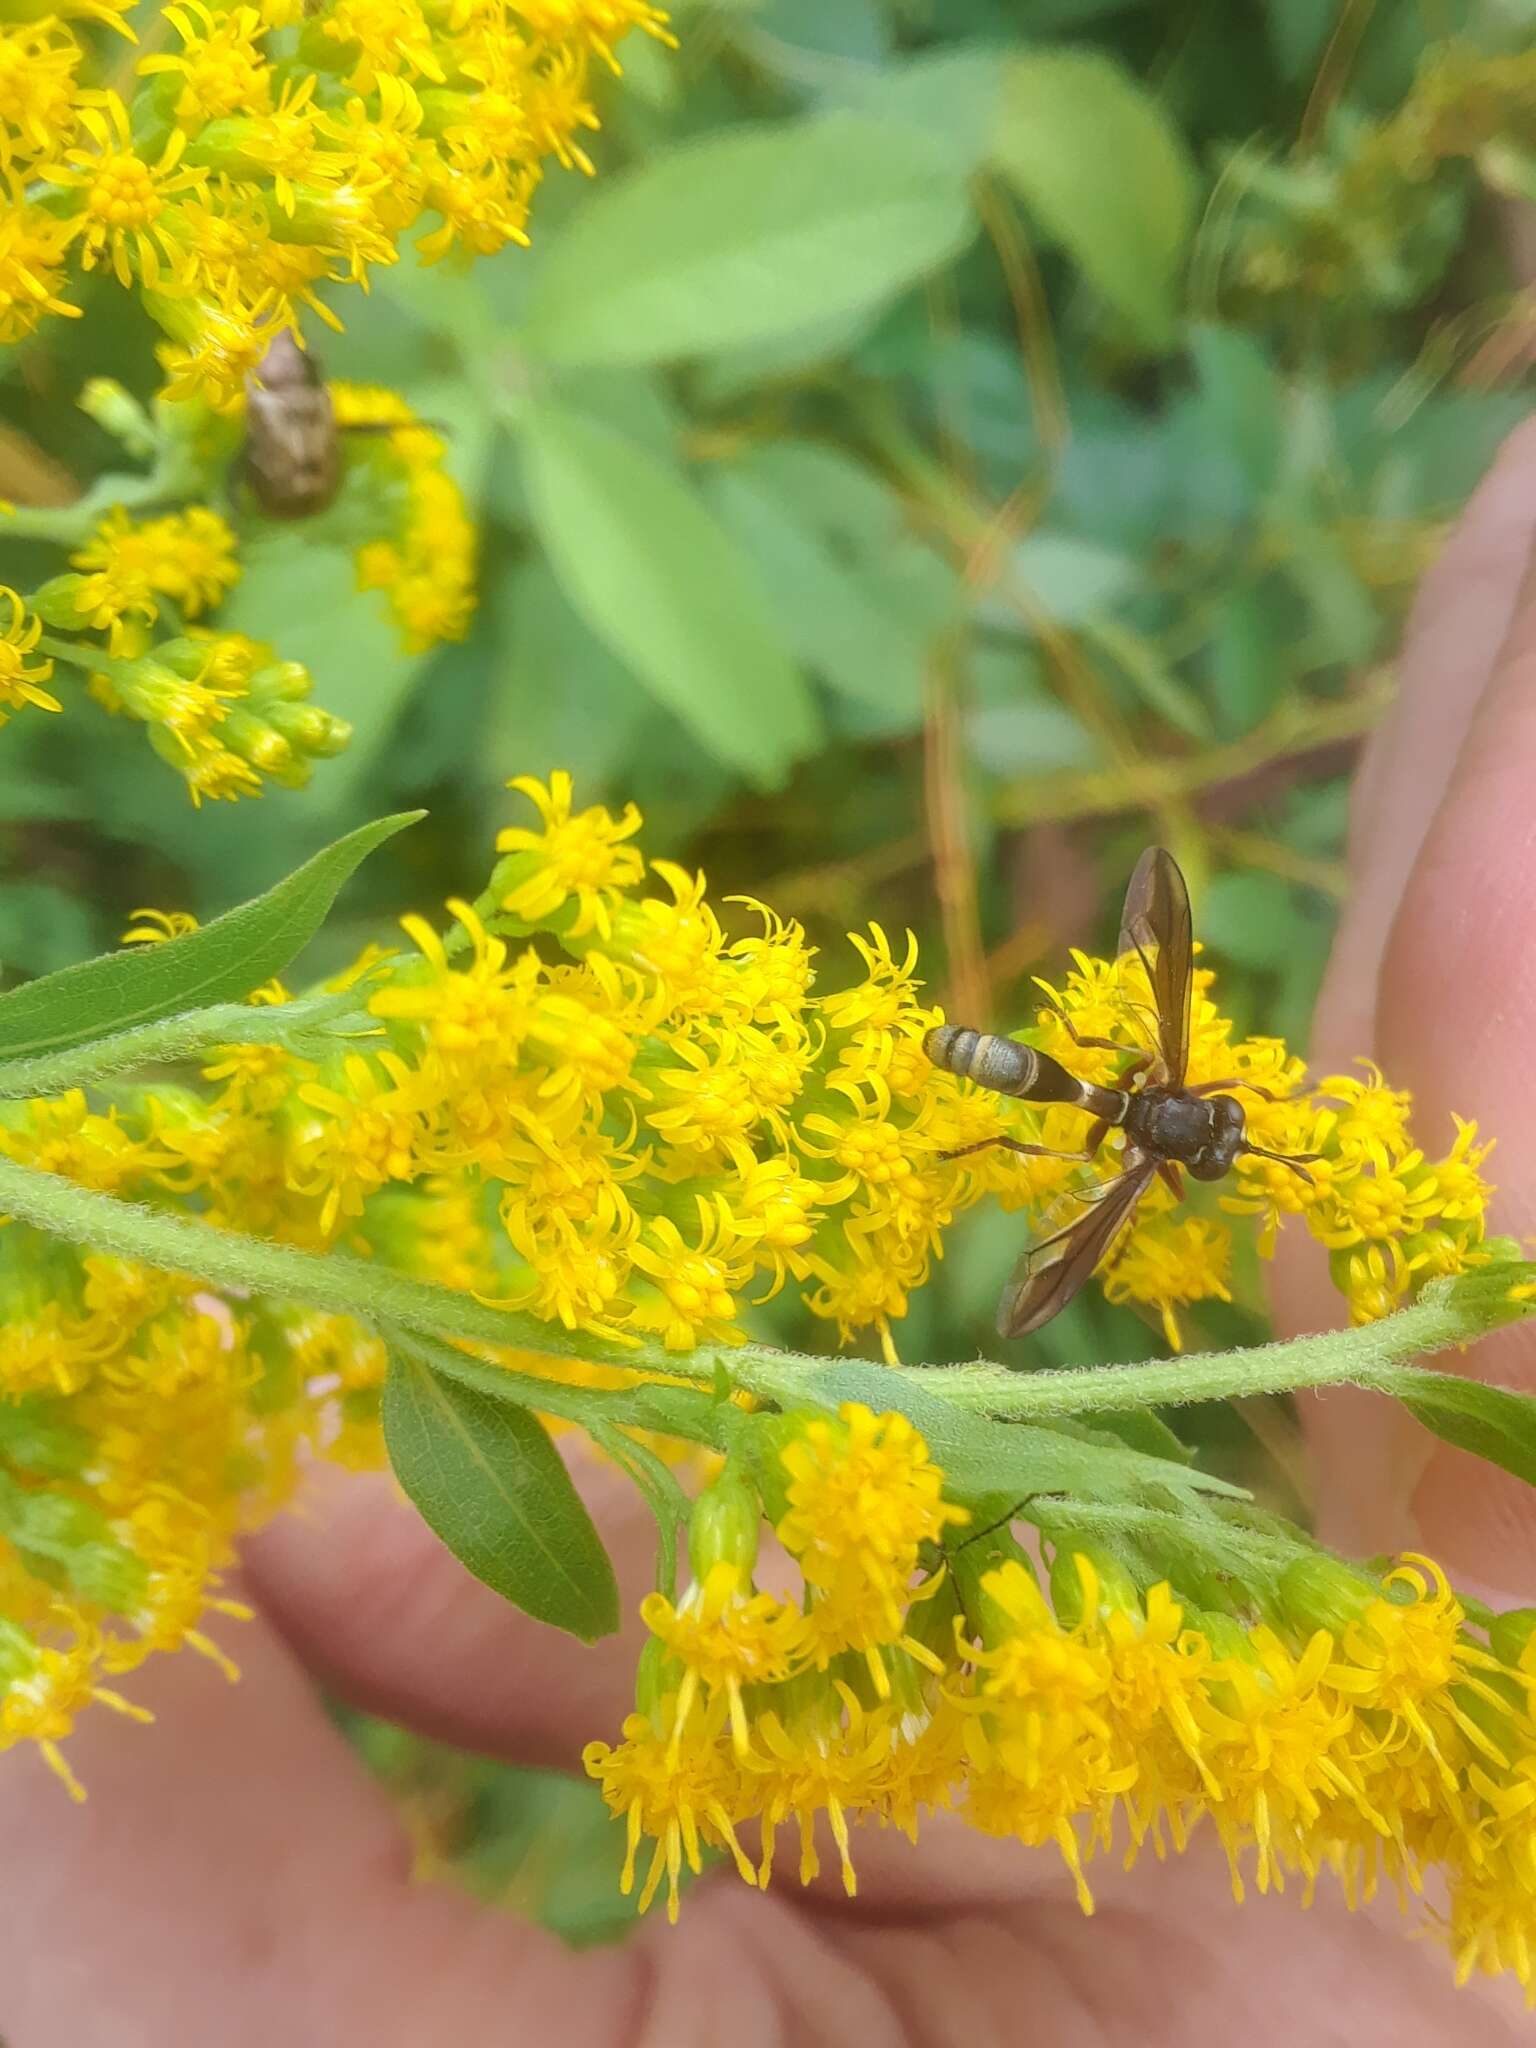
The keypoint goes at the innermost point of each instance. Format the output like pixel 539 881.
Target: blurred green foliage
pixel 952 443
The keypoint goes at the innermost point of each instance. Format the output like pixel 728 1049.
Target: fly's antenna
pixel 1296 1161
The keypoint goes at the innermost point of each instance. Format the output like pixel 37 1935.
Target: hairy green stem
pixel 334 1281
pixel 176 474
pixel 172 1038
pixel 1435 1321
pixel 1449 1312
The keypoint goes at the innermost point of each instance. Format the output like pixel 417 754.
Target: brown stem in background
pixel 1000 223
pixel 1333 72
pixel 969 993
pixel 1297 729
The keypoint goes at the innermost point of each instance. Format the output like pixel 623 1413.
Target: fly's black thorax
pixel 1201 1132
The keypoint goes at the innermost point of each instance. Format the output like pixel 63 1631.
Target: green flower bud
pixel 308 728
pixel 724 1525
pixel 118 413
pixel 56 602
pixel 280 681
pixel 1320 1592
pixel 254 740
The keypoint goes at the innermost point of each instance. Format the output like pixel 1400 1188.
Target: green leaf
pixel 1028 734
pixel 663 587
pixel 834 620
pixel 1105 172
pixel 951 95
pixel 1154 682
pixel 557 697
pixel 744 236
pixel 1073 579
pixel 488 1480
pixel 1493 1423
pixel 1243 399
pixel 1139 1429
pixel 219 963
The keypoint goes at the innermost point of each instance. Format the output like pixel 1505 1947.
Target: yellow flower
pixel 1406 1656
pixel 364 1138
pixel 123 198
pixel 21 679
pixel 1169 1263
pixel 38 62
pixel 1038 1741
pixel 33 253
pixel 725 1635
pixel 582 857
pixel 594 24
pixel 863 1497
pixel 467 1012
pixel 221 68
pixel 691 1300
pixel 41 1702
pixel 677 1790
pixel 427 567
pixel 188 555
pixel 218 336
pixel 154 927
pixel 824 1757
pixel 386 35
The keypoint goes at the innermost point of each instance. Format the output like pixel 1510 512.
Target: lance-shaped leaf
pixel 1493 1423
pixel 487 1478
pixel 218 963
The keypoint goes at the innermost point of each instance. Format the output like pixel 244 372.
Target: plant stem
pixel 334 1281
pixel 172 1038
pixel 1441 1317
pixel 1449 1312
pixel 175 475
pixel 1297 728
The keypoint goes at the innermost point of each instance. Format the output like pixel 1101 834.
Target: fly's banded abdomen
pixel 1001 1064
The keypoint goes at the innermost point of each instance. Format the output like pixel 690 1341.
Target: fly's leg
pixel 1237 1081
pixel 1015 1145
pixel 1140 1061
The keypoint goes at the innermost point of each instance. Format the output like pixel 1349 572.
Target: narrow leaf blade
pixel 218 963
pixel 1493 1423
pixel 488 1480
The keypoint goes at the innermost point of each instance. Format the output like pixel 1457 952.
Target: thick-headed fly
pixel 1168 1127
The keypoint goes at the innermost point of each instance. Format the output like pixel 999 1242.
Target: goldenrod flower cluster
pixel 1325 1724
pixel 219 708
pixel 425 563
pixel 595 1099
pixel 262 152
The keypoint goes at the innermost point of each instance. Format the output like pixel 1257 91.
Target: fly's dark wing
pixel 1052 1271
pixel 1156 924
